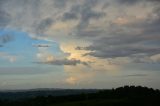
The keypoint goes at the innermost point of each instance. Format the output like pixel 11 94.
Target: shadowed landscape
pixel 122 96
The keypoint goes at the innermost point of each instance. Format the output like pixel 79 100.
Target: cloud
pixel 133 2
pixel 71 80
pixel 84 13
pixel 44 25
pixel 133 36
pixel 128 2
pixel 6 38
pixel 87 14
pixel 4 18
pixel 124 31
pixel 69 16
pixel 60 3
pixel 136 75
pixel 42 45
pixel 154 59
pixel 123 52
pixel 71 62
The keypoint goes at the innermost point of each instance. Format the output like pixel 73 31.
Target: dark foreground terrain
pixel 123 96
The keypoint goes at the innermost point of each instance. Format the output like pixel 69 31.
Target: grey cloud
pixel 106 44
pixel 42 45
pixel 6 38
pixel 33 16
pixel 153 0
pixel 123 41
pixel 72 62
pixel 122 52
pixel 145 59
pixel 132 2
pixel 128 2
pixel 60 3
pixel 87 14
pixel 4 19
pixel 136 75
pixel 72 13
pixel 90 33
pixel 84 12
pixel 30 15
pixel 123 46
pixel 69 16
pixel 44 25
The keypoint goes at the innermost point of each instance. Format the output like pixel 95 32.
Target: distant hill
pixel 32 93
pixel 122 96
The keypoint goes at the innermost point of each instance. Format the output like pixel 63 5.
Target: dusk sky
pixel 79 43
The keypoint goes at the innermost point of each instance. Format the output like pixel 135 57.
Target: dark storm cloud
pixel 71 62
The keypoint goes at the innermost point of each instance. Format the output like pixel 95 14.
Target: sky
pixel 79 43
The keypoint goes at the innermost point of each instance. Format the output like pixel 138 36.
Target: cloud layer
pixel 85 43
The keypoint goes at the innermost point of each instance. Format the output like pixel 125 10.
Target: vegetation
pixel 123 96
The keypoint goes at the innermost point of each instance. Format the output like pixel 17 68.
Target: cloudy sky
pixel 79 43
